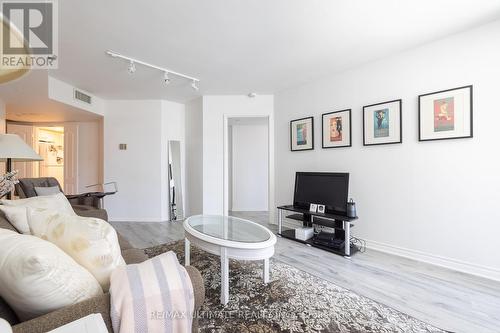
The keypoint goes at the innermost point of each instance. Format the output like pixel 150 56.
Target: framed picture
pixel 382 123
pixel 321 209
pixel 336 129
pixel 302 134
pixel 445 114
pixel 313 208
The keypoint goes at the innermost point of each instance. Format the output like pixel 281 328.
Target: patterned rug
pixel 294 301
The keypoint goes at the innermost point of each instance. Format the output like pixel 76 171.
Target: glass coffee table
pixel 229 237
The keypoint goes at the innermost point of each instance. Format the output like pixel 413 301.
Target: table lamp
pixel 14 149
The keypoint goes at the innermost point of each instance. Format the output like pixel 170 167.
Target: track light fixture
pixel 166 72
pixel 131 67
pixel 194 86
pixel 166 79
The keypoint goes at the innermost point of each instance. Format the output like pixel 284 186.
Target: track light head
pixel 131 67
pixel 166 79
pixel 194 86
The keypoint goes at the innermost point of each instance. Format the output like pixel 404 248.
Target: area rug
pixel 294 301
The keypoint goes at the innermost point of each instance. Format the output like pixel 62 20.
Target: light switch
pixel 123 146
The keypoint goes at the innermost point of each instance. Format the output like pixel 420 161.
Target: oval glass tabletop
pixel 229 228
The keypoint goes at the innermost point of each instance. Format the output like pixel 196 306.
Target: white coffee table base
pixel 226 252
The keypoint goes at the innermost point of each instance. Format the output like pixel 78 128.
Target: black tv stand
pixel 341 223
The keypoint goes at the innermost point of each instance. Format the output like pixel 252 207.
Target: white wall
pixel 433 201
pixel 63 92
pixel 139 169
pixel 89 157
pixel 215 109
pixel 249 167
pixel 194 157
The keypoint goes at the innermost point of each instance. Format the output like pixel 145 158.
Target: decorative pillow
pixel 18 216
pixel 41 191
pixel 36 277
pixel 91 242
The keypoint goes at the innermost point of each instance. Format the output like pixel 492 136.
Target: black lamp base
pixel 8 166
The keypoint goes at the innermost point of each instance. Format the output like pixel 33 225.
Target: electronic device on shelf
pixel 329 239
pixel 330 189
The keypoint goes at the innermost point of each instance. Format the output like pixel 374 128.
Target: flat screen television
pixel 323 188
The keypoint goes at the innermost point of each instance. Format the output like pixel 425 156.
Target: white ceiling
pixel 237 46
pixel 233 46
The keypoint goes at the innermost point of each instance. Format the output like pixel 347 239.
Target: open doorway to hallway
pixel 71 152
pixel 248 168
pixel 50 144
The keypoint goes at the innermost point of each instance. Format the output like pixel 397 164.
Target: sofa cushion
pixel 36 277
pixel 91 242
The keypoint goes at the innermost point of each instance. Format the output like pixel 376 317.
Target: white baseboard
pixel 138 219
pixel 454 264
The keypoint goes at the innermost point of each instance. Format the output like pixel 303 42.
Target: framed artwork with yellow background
pixel 337 129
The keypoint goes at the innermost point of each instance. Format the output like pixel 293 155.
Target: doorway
pixel 57 144
pixel 248 168
pixel 50 142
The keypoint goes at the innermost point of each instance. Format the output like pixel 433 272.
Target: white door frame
pixel 270 170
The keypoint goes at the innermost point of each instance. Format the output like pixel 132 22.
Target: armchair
pixel 85 204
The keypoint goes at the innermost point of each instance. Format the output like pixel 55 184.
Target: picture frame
pixel 302 134
pixel 383 123
pixel 321 209
pixel 313 208
pixel 336 129
pixel 446 114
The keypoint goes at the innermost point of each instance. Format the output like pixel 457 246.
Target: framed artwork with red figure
pixel 337 129
pixel 445 114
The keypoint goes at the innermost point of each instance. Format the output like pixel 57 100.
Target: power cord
pixel 358 243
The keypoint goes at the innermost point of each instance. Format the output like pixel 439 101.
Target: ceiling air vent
pixel 83 97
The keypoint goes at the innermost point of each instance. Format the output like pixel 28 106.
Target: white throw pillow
pixel 91 242
pixel 36 277
pixel 18 217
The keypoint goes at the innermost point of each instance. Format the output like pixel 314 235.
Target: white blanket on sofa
pixel 153 296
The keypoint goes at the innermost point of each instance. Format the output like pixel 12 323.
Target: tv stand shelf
pixel 338 222
pixel 290 234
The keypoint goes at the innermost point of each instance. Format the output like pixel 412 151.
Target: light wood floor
pixel 447 299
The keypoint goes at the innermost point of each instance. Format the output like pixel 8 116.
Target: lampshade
pixel 13 147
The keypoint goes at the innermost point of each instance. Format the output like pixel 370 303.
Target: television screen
pixel 323 188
